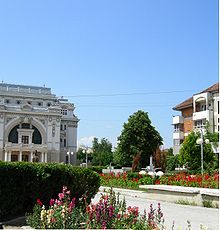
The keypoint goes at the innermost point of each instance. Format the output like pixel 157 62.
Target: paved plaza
pixel 208 217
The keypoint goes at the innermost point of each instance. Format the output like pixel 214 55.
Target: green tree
pixel 138 140
pixel 102 152
pixel 190 152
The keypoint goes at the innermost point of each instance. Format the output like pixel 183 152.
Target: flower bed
pixel 183 179
pixel 132 181
pixel 108 213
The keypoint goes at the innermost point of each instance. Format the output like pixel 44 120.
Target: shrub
pixel 97 169
pixel 22 183
pixel 146 180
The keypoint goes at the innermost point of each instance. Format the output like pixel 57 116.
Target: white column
pixel 6 156
pixel 31 156
pixel 45 155
pixel 9 156
pixel 20 156
pixel 42 157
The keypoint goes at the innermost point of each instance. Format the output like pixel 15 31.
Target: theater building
pixel 36 126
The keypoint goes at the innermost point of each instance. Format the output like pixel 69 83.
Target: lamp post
pixel 200 141
pixel 87 151
pixel 69 155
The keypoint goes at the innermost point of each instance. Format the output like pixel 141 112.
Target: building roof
pixel 189 102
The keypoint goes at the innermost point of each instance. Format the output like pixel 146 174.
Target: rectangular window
pixel 218 107
pixel 200 123
pixel 176 142
pixel 25 139
pixel 25 158
pixel 64 142
pixel 64 127
pixel 61 127
pixel 64 111
pixel 176 127
pixel 14 157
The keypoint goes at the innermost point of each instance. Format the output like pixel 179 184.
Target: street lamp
pixel 69 155
pixel 200 141
pixel 87 151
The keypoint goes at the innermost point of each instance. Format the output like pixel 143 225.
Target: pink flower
pixel 51 202
pixel 61 196
pixel 39 202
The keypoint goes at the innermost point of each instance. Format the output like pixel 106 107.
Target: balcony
pixel 178 135
pixel 177 120
pixel 202 115
pixel 25 147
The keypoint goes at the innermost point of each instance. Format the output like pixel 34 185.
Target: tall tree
pixel 190 152
pixel 138 140
pixel 102 152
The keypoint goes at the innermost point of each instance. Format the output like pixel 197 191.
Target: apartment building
pixel 35 125
pixel 195 112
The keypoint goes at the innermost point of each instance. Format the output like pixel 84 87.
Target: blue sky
pixel 146 54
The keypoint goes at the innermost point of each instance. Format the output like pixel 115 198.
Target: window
pixel 176 127
pixel 61 127
pixel 218 107
pixel 64 142
pixel 25 139
pixel 18 102
pixel 200 123
pixel 25 126
pixel 64 127
pixel 14 157
pixel 176 142
pixel 64 111
pixel 48 104
pixel 7 101
pixel 39 103
pixel 29 102
pixel 25 158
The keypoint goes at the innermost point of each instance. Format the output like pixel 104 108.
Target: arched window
pixel 36 139
pixel 13 135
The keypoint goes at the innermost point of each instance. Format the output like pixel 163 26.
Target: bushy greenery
pixel 190 153
pixel 102 152
pixel 138 140
pixel 172 162
pixel 21 183
pixel 97 169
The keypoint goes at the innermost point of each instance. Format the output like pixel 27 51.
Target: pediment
pixel 27 107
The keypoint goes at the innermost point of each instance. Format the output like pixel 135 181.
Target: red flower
pixel 39 202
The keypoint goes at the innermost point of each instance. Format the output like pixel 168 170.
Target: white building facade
pixel 36 126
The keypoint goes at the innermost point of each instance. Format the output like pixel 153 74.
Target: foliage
pixel 172 162
pixel 21 183
pixel 138 138
pixel 119 180
pixel 160 159
pixel 97 169
pixel 81 155
pixel 190 152
pixel 108 213
pixel 184 179
pixel 102 152
pixel 170 152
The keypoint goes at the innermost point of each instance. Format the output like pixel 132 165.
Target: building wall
pixel 205 108
pixel 39 107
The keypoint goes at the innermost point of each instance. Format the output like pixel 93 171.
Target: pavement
pixel 177 213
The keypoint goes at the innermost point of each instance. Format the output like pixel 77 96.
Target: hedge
pixel 21 184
